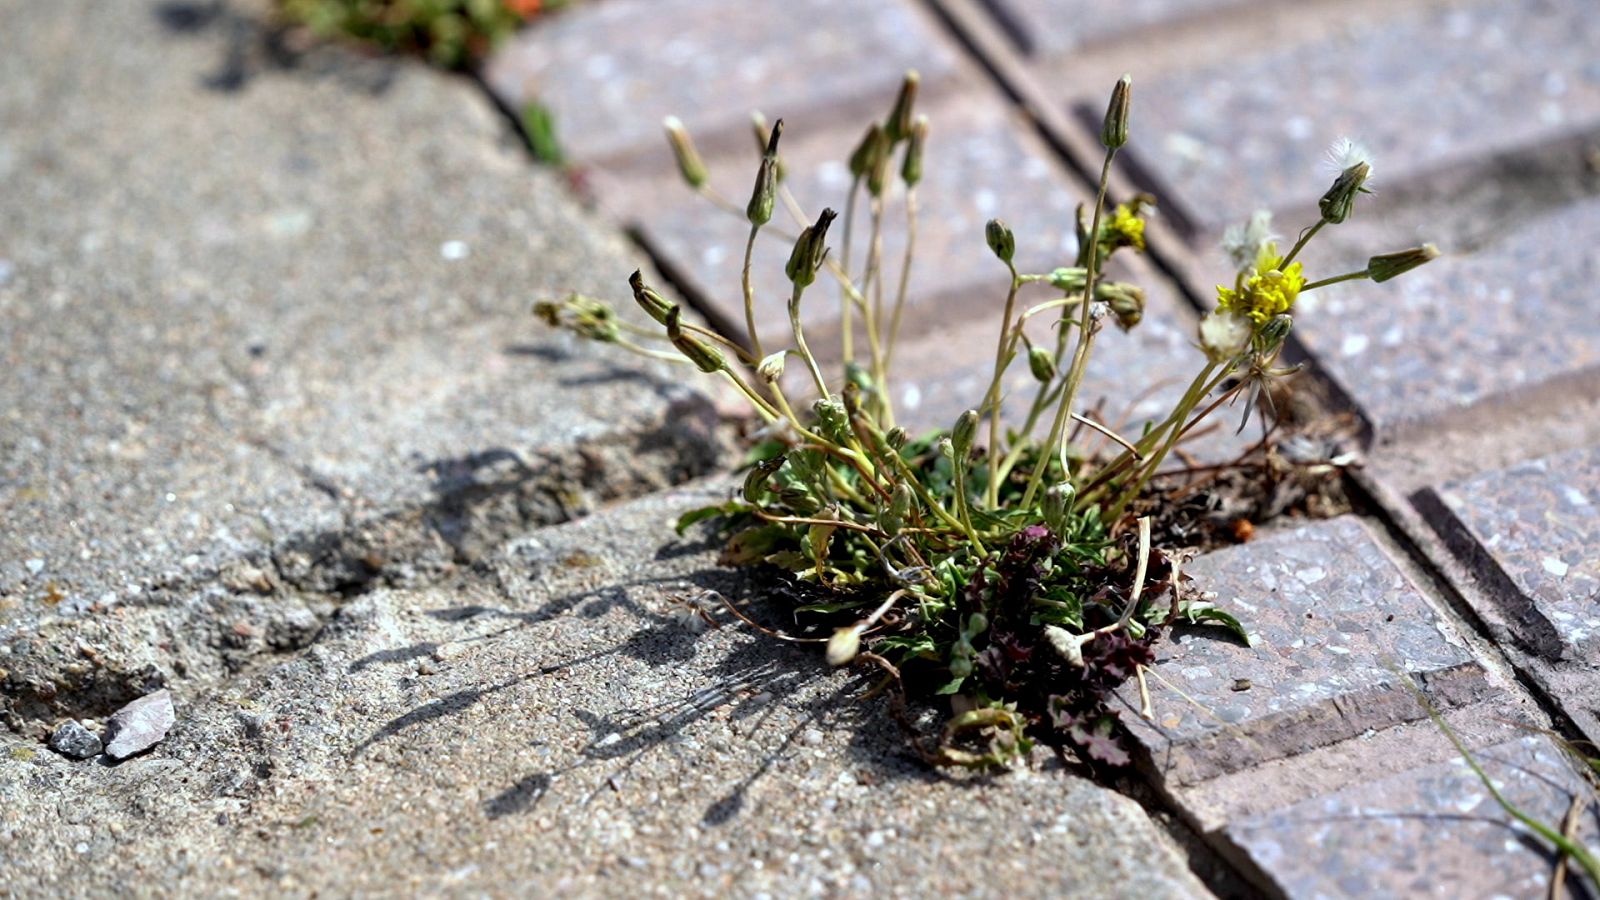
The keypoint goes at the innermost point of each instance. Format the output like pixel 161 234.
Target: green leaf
pixel 725 509
pixel 1205 613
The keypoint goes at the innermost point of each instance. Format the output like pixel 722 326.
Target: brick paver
pixel 1335 626
pixel 1532 533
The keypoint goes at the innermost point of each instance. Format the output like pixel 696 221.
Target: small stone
pixel 35 566
pixel 140 725
pixel 811 737
pixel 74 741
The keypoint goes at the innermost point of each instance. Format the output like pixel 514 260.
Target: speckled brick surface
pixel 1053 28
pixel 610 71
pixel 1334 624
pixel 1509 316
pixel 1533 531
pixel 1430 832
pixel 1251 131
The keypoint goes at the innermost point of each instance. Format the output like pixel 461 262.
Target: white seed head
pixel 844 645
pixel 1243 243
pixel 1346 152
pixel 1224 335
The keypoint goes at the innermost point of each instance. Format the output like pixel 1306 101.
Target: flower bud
pixel 898 125
pixel 809 251
pixel 1000 240
pixel 1270 336
pixel 896 438
pixel 1224 335
pixel 1126 301
pixel 690 165
pixel 755 483
pixel 657 306
pixel 764 194
pixel 705 357
pixel 877 171
pixel 911 166
pixel 832 419
pixel 1069 280
pixel 1336 204
pixel 765 139
pixel 1385 266
pixel 861 157
pixel 1114 133
pixel 893 517
pixel 946 448
pixel 1057 505
pixel 961 436
pixel 844 645
pixel 771 368
pixel 1042 365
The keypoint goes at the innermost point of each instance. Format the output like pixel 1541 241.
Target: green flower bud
pixel 897 438
pixel 755 483
pixel 1114 133
pixel 947 449
pixel 898 125
pixel 861 157
pixel 1069 280
pixel 878 162
pixel 1385 266
pixel 764 139
pixel 657 306
pixel 764 194
pixel 1270 336
pixel 911 167
pixel 1126 301
pixel 705 357
pixel 1057 505
pixel 809 251
pixel 1000 240
pixel 844 645
pixel 690 165
pixel 893 517
pixel 832 419
pixel 799 501
pixel 1042 364
pixel 1340 199
pixel 961 436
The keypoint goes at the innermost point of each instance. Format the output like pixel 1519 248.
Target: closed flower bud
pixel 657 306
pixel 893 517
pixel 755 483
pixel 1042 365
pixel 1114 133
pixel 911 167
pixel 764 139
pixel 765 192
pixel 771 368
pixel 1000 240
pixel 946 448
pixel 844 645
pixel 1272 333
pixel 705 357
pixel 861 157
pixel 1340 199
pixel 898 125
pixel 1126 301
pixel 832 419
pixel 1385 266
pixel 809 251
pixel 1057 504
pixel 896 438
pixel 690 165
pixel 1224 335
pixel 961 436
pixel 1069 280
pixel 877 171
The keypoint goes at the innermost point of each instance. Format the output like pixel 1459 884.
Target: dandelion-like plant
pixel 994 561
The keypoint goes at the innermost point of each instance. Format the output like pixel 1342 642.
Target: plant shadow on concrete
pixel 994 563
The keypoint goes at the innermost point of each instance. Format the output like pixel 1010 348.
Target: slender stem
pixel 991 398
pixel 1180 419
pixel 800 341
pixel 750 295
pixel 848 338
pixel 761 405
pixel 1305 237
pixel 1080 357
pixel 665 355
pixel 1348 276
pixel 905 279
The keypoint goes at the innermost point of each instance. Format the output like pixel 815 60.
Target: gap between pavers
pixel 268 345
pixel 548 722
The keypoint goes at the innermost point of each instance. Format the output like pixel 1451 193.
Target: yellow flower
pixel 1267 291
pixel 1126 228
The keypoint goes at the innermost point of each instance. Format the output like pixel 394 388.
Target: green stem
pixel 905 280
pixel 750 295
pixel 848 338
pixel 991 398
pixel 800 342
pixel 1304 239
pixel 1348 276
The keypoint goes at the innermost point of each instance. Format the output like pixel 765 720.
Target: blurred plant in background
pixel 451 33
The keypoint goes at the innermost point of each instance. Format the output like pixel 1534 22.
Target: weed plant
pixel 450 33
pixel 992 562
